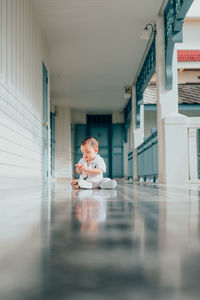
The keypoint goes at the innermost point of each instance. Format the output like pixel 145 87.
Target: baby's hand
pixel 79 168
pixel 85 170
pixel 78 165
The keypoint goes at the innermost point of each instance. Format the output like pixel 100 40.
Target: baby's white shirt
pixel 97 162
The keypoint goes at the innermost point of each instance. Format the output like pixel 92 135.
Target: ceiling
pixel 94 49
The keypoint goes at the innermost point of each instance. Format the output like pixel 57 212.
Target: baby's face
pixel 89 152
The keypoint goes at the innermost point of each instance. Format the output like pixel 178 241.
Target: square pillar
pixel 125 145
pixel 138 133
pixel 193 175
pixel 172 126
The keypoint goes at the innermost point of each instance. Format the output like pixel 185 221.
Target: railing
pixel 147 154
pixel 194 148
pixel 147 158
pixel 130 164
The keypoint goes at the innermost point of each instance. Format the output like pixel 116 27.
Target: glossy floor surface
pixel 137 242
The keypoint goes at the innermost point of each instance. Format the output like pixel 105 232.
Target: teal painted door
pixel 45 124
pixel 52 125
pixel 102 134
pixel 117 150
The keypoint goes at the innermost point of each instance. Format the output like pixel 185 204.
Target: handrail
pixel 147 153
pixel 154 134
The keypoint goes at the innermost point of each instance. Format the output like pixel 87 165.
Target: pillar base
pixel 175 168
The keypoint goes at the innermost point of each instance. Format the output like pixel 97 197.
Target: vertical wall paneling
pixel 20 53
pixel 21 95
pixel 17 48
pixel 24 88
pixel 13 41
pixel 4 39
pixel 9 43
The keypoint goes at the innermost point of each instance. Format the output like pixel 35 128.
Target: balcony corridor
pixel 137 242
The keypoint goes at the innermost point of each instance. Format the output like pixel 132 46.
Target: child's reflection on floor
pixel 90 208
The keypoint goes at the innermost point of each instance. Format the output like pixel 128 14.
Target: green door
pixel 102 134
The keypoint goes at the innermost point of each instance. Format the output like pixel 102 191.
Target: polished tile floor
pixel 140 241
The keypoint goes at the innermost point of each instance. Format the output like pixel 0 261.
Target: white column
pixel 63 143
pixel 138 133
pixel 126 160
pixel 193 174
pixel 134 166
pixel 172 128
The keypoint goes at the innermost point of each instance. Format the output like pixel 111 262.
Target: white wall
pixel 191 41
pixel 191 37
pixel 21 54
pixel 63 142
pixel 188 76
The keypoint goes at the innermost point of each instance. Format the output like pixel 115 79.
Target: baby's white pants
pixel 105 183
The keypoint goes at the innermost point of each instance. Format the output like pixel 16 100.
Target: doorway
pixel 110 137
pixel 99 126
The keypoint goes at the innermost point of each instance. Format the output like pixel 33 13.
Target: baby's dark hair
pixel 91 141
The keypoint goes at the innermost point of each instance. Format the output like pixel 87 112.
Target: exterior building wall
pixel 191 37
pixel 188 76
pixel 22 52
pixel 191 41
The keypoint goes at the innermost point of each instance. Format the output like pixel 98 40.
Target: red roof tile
pixel 188 55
